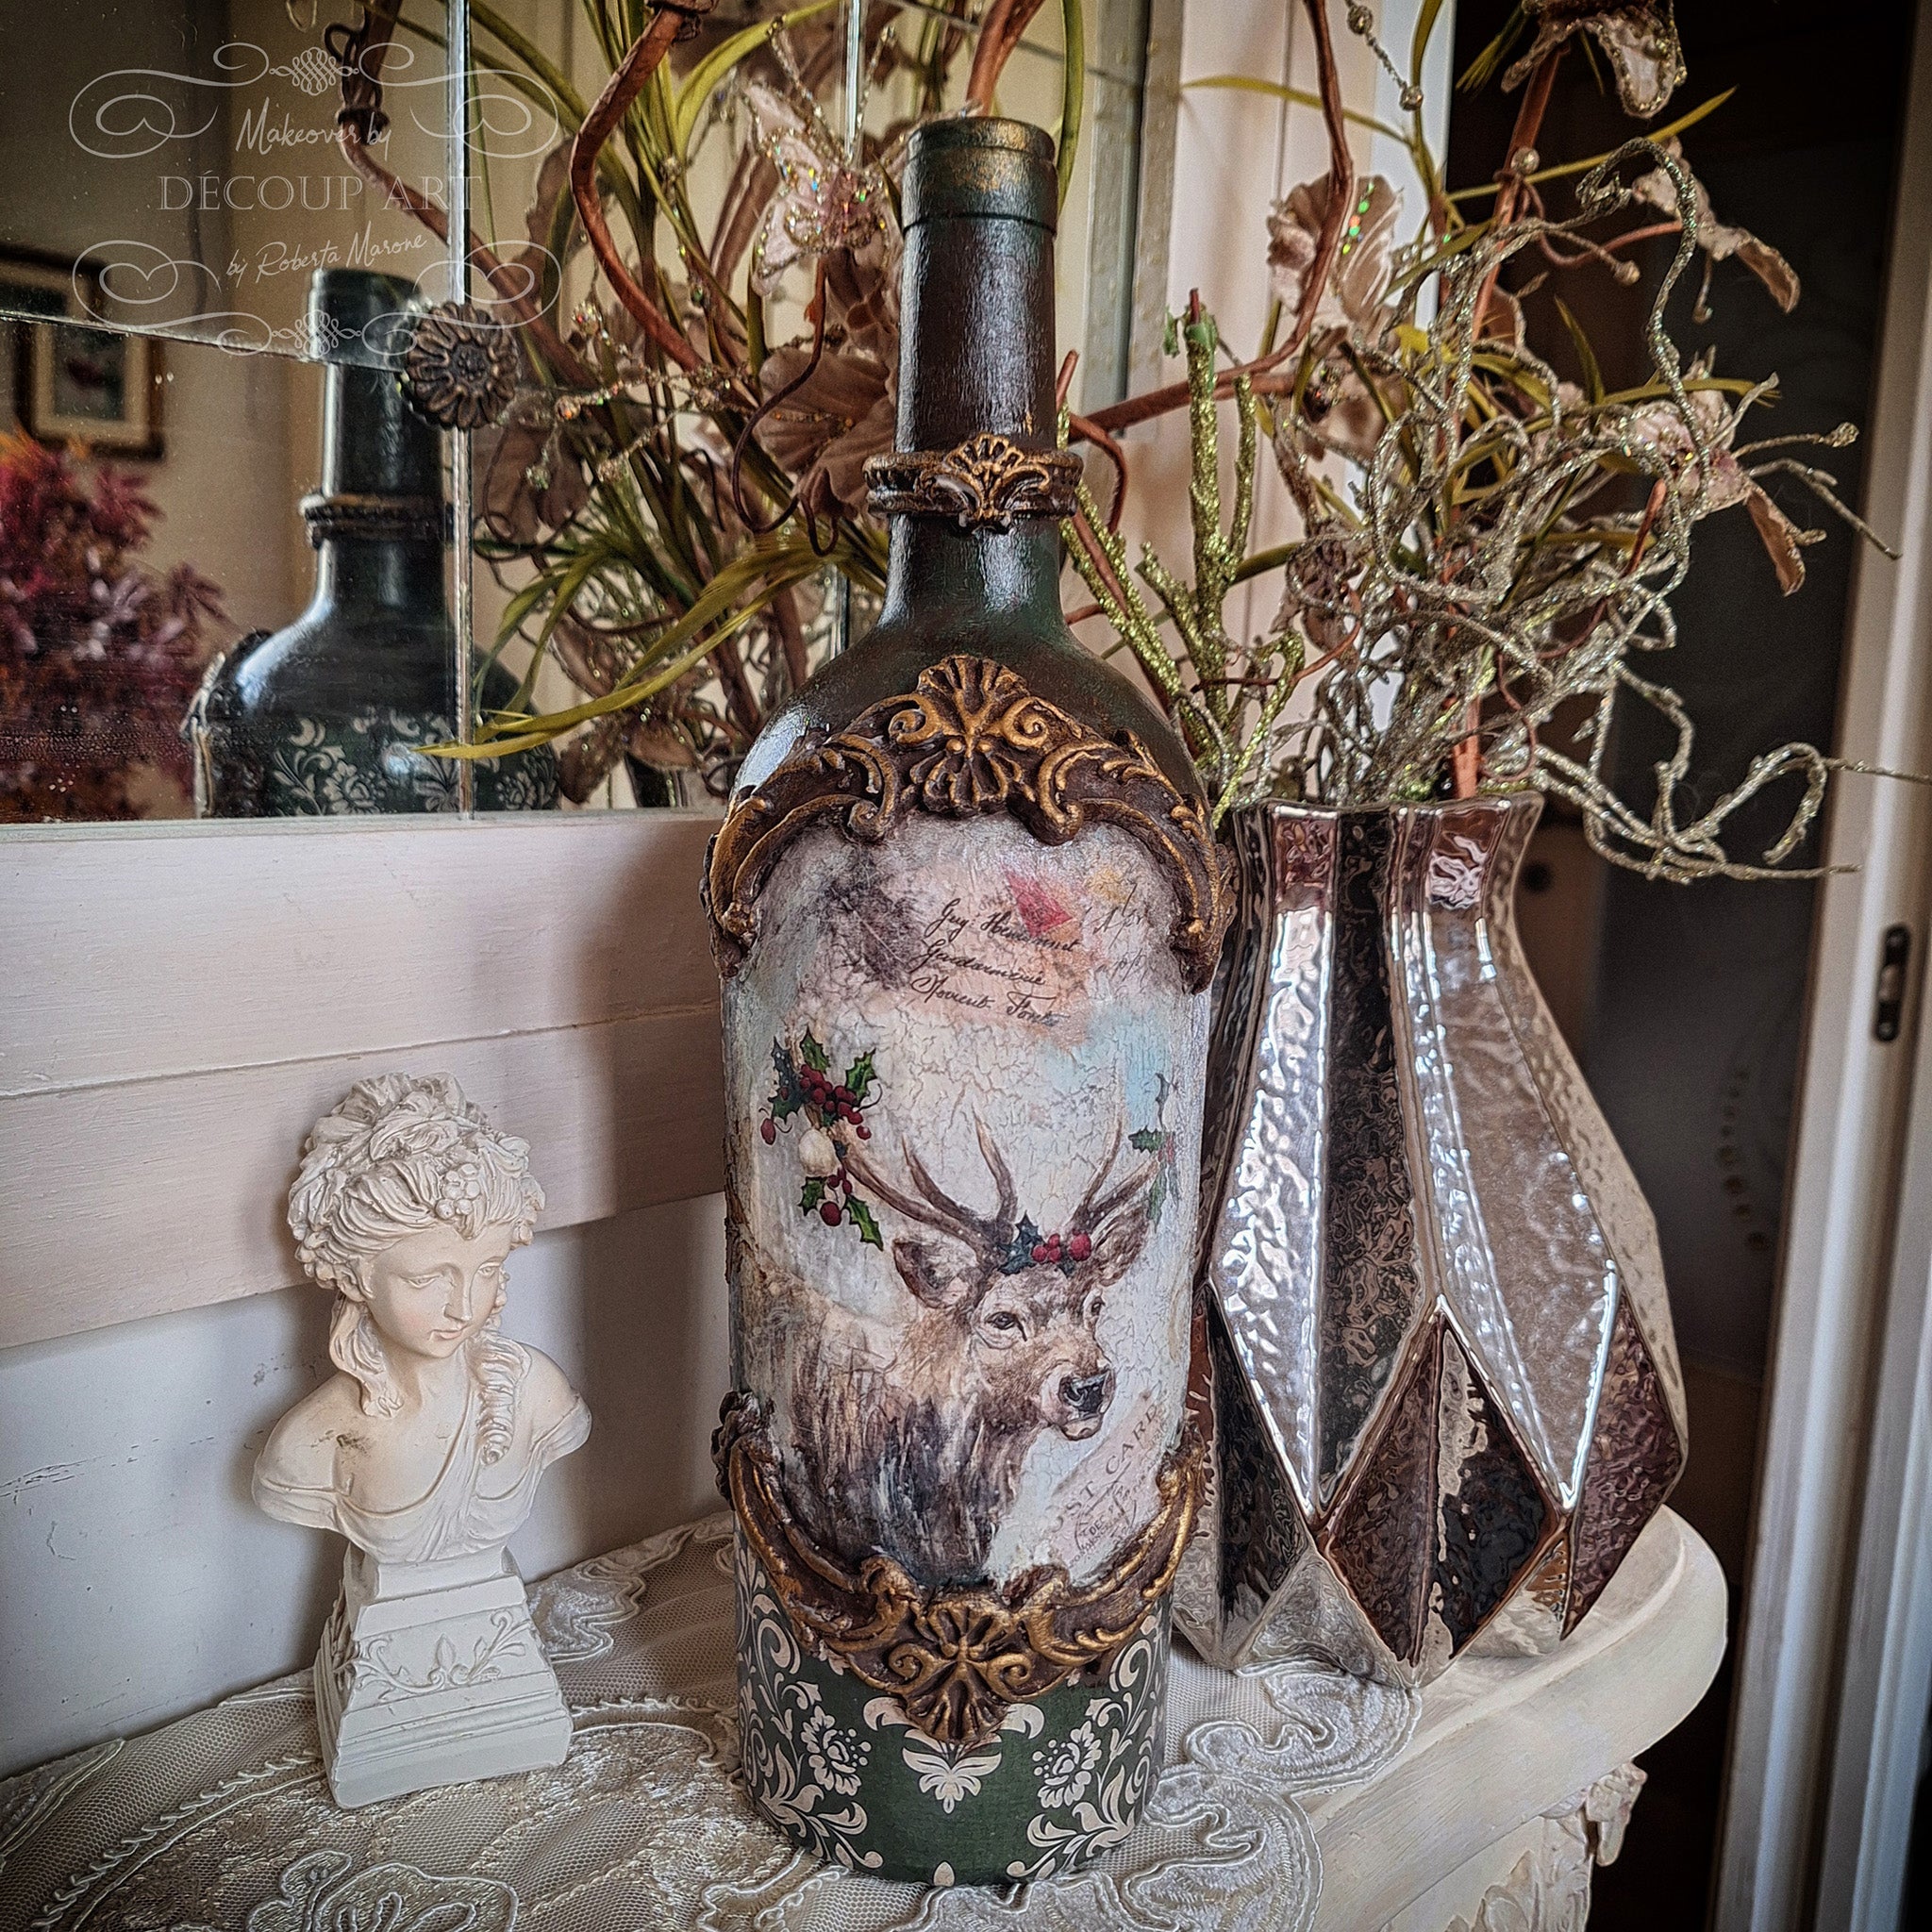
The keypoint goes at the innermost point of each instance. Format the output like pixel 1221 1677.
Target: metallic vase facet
pixel 1446 1390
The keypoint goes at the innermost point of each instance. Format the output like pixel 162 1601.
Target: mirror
pixel 126 572
pixel 176 162
pixel 183 227
pixel 685 456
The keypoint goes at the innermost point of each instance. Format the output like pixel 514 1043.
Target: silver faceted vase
pixel 1446 1390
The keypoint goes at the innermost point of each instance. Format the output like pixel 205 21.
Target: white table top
pixel 1296 1796
pixel 1500 1742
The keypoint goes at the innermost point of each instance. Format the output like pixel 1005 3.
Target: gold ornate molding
pixel 954 1659
pixel 982 484
pixel 971 739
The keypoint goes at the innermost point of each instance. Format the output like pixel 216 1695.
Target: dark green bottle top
pixel 980 203
pixel 373 444
pixel 323 715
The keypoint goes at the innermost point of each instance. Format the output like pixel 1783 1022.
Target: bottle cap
pixel 381 463
pixel 981 168
pixel 354 314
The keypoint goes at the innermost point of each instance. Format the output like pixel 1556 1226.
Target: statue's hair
pixel 398 1155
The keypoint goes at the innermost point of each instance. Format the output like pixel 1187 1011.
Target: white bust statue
pixel 425 1448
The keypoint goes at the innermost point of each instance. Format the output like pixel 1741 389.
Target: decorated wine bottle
pixel 325 716
pixel 967 907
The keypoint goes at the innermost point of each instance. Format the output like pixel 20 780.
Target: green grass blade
pixel 1246 84
pixel 1583 167
pixel 710 73
pixel 1073 89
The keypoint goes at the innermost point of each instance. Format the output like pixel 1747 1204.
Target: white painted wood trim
pixel 182 1002
pixel 1852 1121
pixel 1501 1741
pixel 1887 1648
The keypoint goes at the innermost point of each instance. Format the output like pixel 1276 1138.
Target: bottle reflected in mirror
pixel 330 715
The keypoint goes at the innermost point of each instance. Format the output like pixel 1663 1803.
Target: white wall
pixel 136 1578
pixel 1236 154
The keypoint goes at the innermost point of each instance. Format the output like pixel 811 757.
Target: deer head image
pixel 1019 1310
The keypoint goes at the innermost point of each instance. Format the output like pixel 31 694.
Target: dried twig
pixel 606 115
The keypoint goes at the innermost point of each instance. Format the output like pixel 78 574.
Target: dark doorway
pixel 1685 1004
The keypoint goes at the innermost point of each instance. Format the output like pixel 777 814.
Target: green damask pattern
pixel 368 764
pixel 838 1768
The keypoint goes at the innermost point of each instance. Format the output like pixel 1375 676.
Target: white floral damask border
pixel 1223 1841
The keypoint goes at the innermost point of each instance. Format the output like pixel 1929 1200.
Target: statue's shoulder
pixel 295 1474
pixel 559 1417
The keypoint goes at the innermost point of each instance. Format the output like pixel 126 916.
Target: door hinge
pixel 1889 1013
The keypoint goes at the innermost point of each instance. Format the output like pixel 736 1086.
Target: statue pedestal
pixel 431 1674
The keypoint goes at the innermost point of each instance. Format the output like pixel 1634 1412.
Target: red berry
pixel 769 1130
pixel 830 1213
pixel 844 1095
pixel 1080 1246
pixel 865 1133
pixel 1039 1251
pixel 844 1180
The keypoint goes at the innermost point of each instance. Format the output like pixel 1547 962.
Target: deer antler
pixel 1008 1202
pixel 942 1214
pixel 1095 1208
pixel 987 1236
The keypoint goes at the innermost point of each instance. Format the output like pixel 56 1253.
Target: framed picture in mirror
pixel 71 381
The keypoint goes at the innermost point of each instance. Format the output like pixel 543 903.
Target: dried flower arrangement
pixel 1484 546
pixel 672 487
pixel 101 651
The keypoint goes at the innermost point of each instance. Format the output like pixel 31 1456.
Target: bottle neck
pixel 372 442
pixel 936 568
pixel 401 576
pixel 376 448
pixel 976 358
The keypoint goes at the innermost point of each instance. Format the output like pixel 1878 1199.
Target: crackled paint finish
pixel 964 1080
pixel 962 1289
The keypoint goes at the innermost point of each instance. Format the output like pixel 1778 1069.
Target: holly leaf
pixel 1020 1256
pixel 861 1217
pixel 1148 1141
pixel 790 1095
pixel 859 1076
pixel 813 1054
pixel 1157 1197
pixel 814 1192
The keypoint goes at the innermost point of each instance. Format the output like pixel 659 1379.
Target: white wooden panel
pixel 1881 1716
pixel 1851 1117
pixel 181 1006
pixel 131 952
pixel 151 1195
pixel 1497 1742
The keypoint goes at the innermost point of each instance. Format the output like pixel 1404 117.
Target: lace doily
pixel 222 1822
